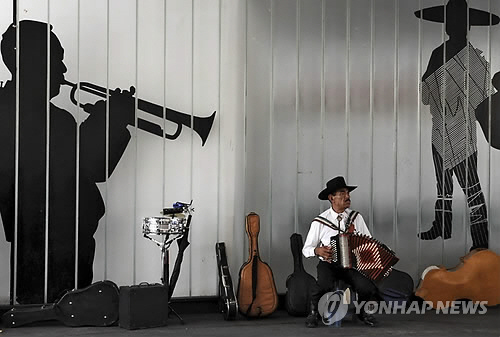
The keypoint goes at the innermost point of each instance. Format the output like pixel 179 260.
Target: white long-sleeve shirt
pixel 320 234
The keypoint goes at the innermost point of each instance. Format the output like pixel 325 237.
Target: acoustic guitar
pixel 95 305
pixel 228 303
pixel 257 296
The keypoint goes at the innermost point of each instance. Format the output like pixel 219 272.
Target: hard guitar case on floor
pixel 95 305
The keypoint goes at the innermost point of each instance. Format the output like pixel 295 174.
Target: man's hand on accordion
pixel 326 252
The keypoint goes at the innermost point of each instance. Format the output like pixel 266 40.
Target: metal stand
pixel 165 261
pixel 177 225
pixel 165 245
pixel 165 280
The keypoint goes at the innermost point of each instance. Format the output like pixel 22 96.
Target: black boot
pixel 479 234
pixel 436 231
pixel 313 317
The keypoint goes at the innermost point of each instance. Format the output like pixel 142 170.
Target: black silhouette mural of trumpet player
pixel 454 84
pixel 50 164
pixel 47 175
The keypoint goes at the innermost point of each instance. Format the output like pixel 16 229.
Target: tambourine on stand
pixel 172 226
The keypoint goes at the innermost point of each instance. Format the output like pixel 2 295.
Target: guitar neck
pixel 298 265
pixel 253 229
pixel 296 246
pixel 23 315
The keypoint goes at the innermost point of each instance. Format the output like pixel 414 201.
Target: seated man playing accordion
pixel 318 243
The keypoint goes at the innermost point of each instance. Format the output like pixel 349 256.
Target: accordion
pixel 364 254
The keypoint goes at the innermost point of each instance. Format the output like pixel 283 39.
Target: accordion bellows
pixel 364 254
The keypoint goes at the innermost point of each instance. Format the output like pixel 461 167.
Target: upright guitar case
pixel 299 283
pixel 227 300
pixel 257 296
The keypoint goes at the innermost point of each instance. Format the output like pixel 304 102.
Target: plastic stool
pixel 350 296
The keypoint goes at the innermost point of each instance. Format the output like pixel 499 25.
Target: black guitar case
pixel 299 283
pixel 95 305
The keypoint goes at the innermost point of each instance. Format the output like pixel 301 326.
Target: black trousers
pixel 329 273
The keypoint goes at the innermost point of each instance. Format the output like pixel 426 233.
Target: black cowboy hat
pixel 457 8
pixel 333 186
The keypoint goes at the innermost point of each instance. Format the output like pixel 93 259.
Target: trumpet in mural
pixel 201 125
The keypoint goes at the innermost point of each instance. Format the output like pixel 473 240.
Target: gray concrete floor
pixel 281 324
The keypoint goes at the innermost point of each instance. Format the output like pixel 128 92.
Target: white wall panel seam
pixel 467 137
pixel 106 162
pixel 245 125
pixel 47 167
pixel 77 166
pixel 488 166
pixel 219 142
pixel 271 132
pixel 347 86
pixel 443 113
pixel 165 69
pixel 14 251
pixel 219 72
pixel 297 102
pixel 419 137
pixel 323 96
pixel 191 172
pixel 372 62
pixel 396 122
pixel 164 146
pixel 164 112
pixel 136 157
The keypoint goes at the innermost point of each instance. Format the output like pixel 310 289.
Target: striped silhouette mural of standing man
pixel 455 83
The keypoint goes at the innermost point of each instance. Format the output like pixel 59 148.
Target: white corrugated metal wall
pixel 333 88
pixel 304 90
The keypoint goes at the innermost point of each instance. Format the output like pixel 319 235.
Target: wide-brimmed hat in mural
pixel 455 9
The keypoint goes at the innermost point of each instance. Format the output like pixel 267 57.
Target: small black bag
pixel 143 306
pixel 397 287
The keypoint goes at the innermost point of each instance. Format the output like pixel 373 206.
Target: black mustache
pixel 348 200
